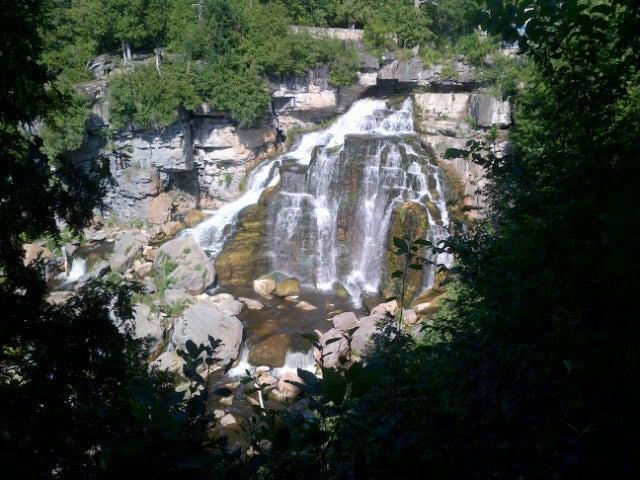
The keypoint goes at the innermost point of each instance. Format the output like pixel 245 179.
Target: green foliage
pixel 476 47
pixel 146 97
pixel 397 22
pixel 449 72
pixel 65 129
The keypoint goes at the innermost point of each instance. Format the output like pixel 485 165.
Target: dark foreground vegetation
pixel 529 371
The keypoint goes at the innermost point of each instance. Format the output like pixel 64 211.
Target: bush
pixel 475 47
pixel 65 130
pixel 147 98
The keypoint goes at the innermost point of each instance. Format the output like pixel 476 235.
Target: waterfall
pixel 78 269
pixel 338 188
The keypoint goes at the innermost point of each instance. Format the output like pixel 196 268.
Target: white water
pixel 304 231
pixel 292 361
pixel 78 269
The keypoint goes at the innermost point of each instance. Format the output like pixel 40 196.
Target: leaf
pixel 415 266
pixel 455 153
pixel 334 385
pixel 422 241
pixel 396 274
pixel 401 245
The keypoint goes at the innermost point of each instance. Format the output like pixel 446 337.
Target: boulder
pixel 228 420
pixel 204 320
pixel 287 389
pixel 144 269
pixel 251 303
pixel 175 295
pixel 34 252
pixel 185 265
pixel 193 217
pixel 345 321
pixel 171 229
pixel 168 362
pixel 306 306
pixel 288 287
pixel 334 346
pixel 362 337
pixel 267 381
pixel 160 209
pixel 125 250
pixel 226 303
pixel 147 326
pixel 264 286
pixel 384 308
pixel 270 351
pixel 60 297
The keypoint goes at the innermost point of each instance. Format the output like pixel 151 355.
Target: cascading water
pixel 337 190
pixel 78 269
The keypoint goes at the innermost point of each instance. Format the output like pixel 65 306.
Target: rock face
pixel 487 111
pixel 125 251
pixel 147 326
pixel 185 265
pixel 204 320
pixel 244 257
pixel 408 219
pixel 160 209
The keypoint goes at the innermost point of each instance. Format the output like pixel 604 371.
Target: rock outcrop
pixel 204 320
pixel 185 265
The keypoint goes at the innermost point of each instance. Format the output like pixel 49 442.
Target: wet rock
pixel 185 265
pixel 99 270
pixel 193 217
pixel 345 321
pixel 270 351
pixel 171 229
pixel 288 287
pixel 204 320
pixel 226 303
pixel 264 286
pixel 292 298
pixel 127 247
pixel 339 290
pixel 251 303
pixel 305 306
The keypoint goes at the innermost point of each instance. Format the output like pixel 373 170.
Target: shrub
pixel 65 130
pixel 475 47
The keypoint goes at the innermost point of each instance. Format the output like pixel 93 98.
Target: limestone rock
pixel 487 111
pixel 386 307
pixel 251 303
pixel 144 269
pixel 127 247
pixel 264 286
pixel 35 252
pixel 226 303
pixel 287 389
pixel 168 361
pixel 175 295
pixel 305 306
pixel 204 320
pixel 228 420
pixel 171 229
pixel 345 321
pixel 334 346
pixel 362 338
pixel 60 297
pixel 193 217
pixel 185 265
pixel 288 287
pixel 160 209
pixel 147 326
